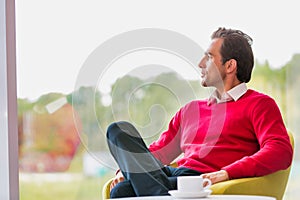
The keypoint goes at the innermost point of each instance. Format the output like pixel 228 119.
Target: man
pixel 237 132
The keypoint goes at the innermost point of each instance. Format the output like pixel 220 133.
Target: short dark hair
pixel 237 45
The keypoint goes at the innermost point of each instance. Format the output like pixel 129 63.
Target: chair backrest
pixel 283 176
pixel 277 181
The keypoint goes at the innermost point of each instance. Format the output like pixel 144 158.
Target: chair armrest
pixel 106 189
pixel 270 185
pixel 237 186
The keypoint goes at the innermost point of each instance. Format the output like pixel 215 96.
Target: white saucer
pixel 186 195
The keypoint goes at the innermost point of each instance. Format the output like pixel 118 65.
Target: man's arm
pixel 167 147
pixel 275 148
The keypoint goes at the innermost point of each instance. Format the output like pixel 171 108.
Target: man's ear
pixel 231 66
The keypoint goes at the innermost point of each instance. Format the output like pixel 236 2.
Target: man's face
pixel 212 69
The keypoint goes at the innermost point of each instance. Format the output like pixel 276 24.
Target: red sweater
pixel 246 137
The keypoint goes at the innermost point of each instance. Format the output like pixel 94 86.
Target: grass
pixel 82 188
pixel 86 189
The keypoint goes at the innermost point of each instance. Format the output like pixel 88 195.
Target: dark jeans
pixel 144 174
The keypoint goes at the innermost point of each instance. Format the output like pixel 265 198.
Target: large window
pixel 83 65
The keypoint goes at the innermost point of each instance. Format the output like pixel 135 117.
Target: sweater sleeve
pixel 275 148
pixel 167 147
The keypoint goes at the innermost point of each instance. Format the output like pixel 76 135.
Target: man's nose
pixel 202 63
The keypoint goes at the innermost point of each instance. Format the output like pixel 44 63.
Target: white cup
pixel 192 183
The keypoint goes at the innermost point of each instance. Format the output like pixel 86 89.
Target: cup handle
pixel 207 182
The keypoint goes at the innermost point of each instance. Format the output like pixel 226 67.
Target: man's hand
pixel 217 176
pixel 119 178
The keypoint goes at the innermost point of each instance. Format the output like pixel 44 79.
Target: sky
pixel 56 37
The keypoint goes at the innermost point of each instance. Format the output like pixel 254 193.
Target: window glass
pixel 81 66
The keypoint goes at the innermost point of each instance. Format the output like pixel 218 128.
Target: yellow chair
pixel 270 185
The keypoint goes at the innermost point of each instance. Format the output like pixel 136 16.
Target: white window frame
pixel 9 170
